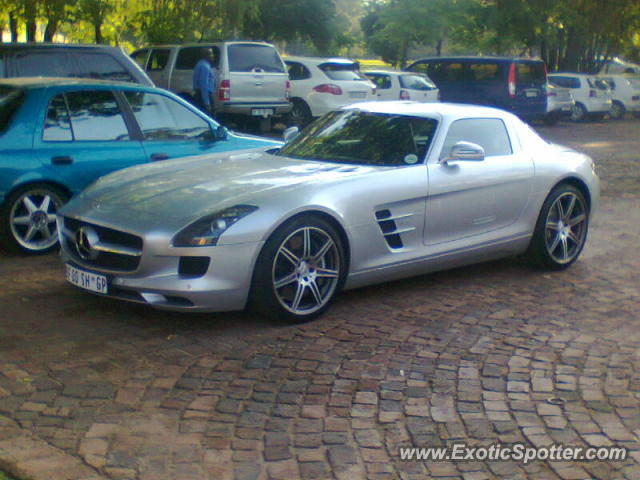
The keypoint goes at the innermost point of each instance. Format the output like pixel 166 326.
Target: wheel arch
pixel 579 184
pixel 37 181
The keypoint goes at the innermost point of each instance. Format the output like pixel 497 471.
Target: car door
pixel 468 198
pixel 169 128
pixel 84 135
pixel 383 83
pixel 157 66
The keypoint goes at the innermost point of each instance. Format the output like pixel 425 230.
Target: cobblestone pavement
pixel 467 355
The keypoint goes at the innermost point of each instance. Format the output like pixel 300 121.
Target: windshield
pixel 342 71
pixel 364 138
pixel 10 100
pixel 416 82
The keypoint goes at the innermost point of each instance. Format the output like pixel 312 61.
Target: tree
pixel 95 12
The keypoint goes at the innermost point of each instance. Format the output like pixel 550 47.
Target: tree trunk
pixel 50 30
pixel 13 26
pixel 97 28
pixel 30 20
pixel 439 47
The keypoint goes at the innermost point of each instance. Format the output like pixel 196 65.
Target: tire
pixel 300 115
pixel 27 220
pixel 578 113
pixel 561 229
pixel 617 110
pixel 299 271
pixel 551 119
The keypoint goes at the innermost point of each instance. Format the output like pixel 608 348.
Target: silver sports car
pixel 366 194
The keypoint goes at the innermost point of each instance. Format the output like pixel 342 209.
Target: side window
pixel 382 82
pixel 161 118
pixel 103 67
pixel 421 67
pixel 47 64
pixel 490 133
pixel 95 116
pixel 57 126
pixel 158 59
pixel 485 72
pixel 297 71
pixel 140 57
pixel 189 56
pixel 447 72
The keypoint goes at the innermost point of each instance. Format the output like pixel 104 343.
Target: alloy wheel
pixel 566 228
pixel 306 270
pixel 32 219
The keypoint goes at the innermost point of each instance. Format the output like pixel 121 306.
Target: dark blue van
pixel 517 85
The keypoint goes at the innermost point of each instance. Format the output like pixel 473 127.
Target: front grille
pixel 114 250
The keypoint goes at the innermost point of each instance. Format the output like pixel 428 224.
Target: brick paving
pixel 474 355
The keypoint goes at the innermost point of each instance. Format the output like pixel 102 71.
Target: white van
pixel 251 78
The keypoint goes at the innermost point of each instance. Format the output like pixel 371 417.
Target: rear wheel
pixel 561 229
pixel 300 270
pixel 300 115
pixel 617 110
pixel 28 220
pixel 578 112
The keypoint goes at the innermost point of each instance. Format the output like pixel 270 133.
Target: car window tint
pixel 189 56
pixel 102 67
pixel 158 59
pixel 297 71
pixel 531 73
pixel 10 99
pixel 382 82
pixel 486 72
pixel 448 72
pixel 421 67
pixel 47 64
pixel 95 116
pixel 342 71
pixel 490 133
pixel 416 82
pixel 364 138
pixel 140 57
pixel 566 82
pixel 57 125
pixel 248 58
pixel 161 118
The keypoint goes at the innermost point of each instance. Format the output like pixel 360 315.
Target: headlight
pixel 206 231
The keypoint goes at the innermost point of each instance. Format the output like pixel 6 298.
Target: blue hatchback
pixel 58 135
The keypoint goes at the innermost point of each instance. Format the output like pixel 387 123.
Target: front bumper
pixel 157 282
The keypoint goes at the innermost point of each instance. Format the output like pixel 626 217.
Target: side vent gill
pixel 389 227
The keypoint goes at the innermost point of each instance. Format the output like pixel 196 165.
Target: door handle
pixel 159 156
pixel 62 160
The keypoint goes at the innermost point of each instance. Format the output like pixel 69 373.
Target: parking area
pixel 492 353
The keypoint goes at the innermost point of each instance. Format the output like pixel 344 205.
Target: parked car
pixel 625 93
pixel 392 85
pixel 366 194
pixel 513 84
pixel 592 96
pixel 320 85
pixel 68 60
pixel 59 135
pixel 560 104
pixel 251 78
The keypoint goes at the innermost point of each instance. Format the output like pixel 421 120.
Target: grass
pixel 5 476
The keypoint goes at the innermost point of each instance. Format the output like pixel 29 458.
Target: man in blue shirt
pixel 204 84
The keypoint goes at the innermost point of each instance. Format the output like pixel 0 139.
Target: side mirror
pixel 221 133
pixel 290 133
pixel 465 152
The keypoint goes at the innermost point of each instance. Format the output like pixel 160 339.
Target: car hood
pixel 174 193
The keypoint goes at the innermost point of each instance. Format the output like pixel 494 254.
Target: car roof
pixel 44 45
pixel 421 109
pixel 204 44
pixel 41 82
pixel 393 72
pixel 320 60
pixel 481 58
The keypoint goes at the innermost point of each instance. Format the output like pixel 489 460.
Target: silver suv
pixel 251 78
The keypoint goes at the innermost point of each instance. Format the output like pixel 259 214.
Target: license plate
pixel 531 93
pixel 358 94
pixel 262 112
pixel 87 280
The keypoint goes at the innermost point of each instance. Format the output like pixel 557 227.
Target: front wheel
pixel 617 110
pixel 578 112
pixel 299 271
pixel 561 229
pixel 28 222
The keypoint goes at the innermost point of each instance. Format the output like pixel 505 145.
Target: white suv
pixel 393 85
pixel 320 85
pixel 251 79
pixel 592 96
pixel 625 91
